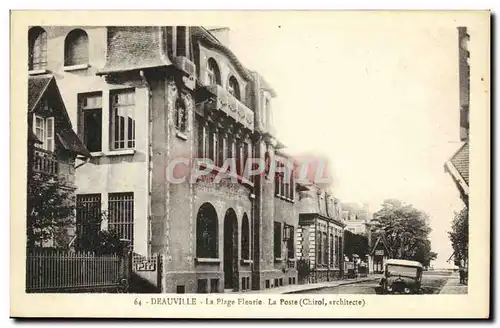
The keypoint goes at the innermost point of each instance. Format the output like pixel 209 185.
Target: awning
pixel 70 141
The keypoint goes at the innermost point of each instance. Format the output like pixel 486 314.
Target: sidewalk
pixel 453 286
pixel 290 289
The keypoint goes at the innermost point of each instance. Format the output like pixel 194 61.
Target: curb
pixel 321 287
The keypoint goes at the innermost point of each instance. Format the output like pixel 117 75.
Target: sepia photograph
pixel 252 158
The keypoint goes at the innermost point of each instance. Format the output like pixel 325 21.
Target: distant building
pixel 356 218
pixel 320 239
pixel 458 165
pixel 379 254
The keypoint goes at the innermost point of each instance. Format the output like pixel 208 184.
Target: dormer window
pixel 233 88
pixel 76 48
pixel 213 74
pixel 37 39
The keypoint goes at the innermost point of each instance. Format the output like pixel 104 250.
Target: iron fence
pixel 74 271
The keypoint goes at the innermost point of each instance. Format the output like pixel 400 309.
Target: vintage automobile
pixel 401 277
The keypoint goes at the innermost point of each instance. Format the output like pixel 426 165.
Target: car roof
pixel 404 262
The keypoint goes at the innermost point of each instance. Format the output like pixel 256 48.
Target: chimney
pixel 221 33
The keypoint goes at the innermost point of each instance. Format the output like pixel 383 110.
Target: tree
pixel 50 210
pixel 459 236
pixel 355 244
pixel 406 230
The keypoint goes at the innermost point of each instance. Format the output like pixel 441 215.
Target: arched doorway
pixel 231 279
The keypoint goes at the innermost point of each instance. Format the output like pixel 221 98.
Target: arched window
pixel 76 48
pixel 213 73
pixel 37 44
pixel 245 238
pixel 233 87
pixel 206 232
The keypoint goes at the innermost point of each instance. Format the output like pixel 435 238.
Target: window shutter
pixel 49 133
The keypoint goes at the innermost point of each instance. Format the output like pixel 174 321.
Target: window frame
pixel 45 131
pixel 291 243
pixel 84 107
pixel 37 35
pixel 277 246
pixel 212 72
pixel 125 226
pixel 82 228
pixel 319 253
pixel 76 38
pixel 126 141
pixel 325 244
pixel 233 87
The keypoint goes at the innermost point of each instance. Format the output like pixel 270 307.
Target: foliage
pixel 355 244
pixel 97 240
pixel 406 231
pixel 51 216
pixel 109 242
pixel 459 236
pixel 50 209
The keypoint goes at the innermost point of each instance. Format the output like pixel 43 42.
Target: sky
pixel 378 98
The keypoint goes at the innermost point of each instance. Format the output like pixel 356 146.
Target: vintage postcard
pixel 284 164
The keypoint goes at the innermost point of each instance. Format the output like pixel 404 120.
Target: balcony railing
pixel 214 97
pixel 45 162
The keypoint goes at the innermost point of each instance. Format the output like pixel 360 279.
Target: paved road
pixel 431 284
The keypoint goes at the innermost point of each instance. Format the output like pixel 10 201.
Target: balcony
pixel 213 98
pixel 188 69
pixel 45 162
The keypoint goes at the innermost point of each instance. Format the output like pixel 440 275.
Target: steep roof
pixel 381 239
pixel 460 161
pixel 37 88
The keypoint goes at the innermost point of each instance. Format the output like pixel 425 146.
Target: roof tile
pixel 461 162
pixel 36 88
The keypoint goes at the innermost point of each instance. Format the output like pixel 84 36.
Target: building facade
pixel 320 239
pixel 357 218
pixel 149 103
